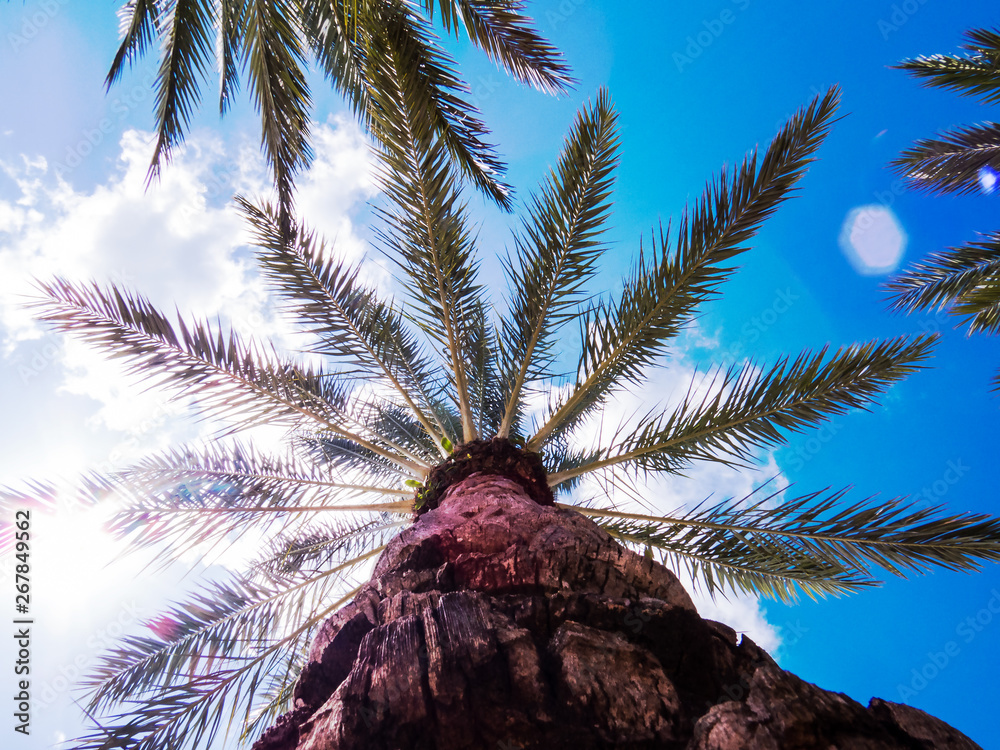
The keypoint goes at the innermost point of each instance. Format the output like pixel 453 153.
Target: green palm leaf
pixel 974 73
pixel 841 544
pixel 187 53
pixel 220 372
pixel 954 162
pixel 505 34
pixel 748 409
pixel 229 49
pixel 558 252
pixel 268 40
pixel 961 280
pixel 349 319
pixel 139 24
pixel 274 60
pixel 428 234
pixel 621 339
pixel 964 280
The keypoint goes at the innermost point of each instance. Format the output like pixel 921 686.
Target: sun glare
pixel 873 240
pixel 73 556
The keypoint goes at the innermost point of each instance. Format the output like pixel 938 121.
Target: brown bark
pixel 495 622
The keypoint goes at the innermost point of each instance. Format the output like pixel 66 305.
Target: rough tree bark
pixel 495 622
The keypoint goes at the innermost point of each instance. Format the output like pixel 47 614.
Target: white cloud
pixel 179 243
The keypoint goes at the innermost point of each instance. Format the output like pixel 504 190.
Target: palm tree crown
pixel 408 387
pixel 964 280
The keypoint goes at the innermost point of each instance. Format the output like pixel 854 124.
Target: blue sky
pixel 697 85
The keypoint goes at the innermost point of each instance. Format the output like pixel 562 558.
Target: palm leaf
pixel 427 233
pixel 621 339
pixel 891 535
pixel 723 563
pixel 558 251
pixel 274 58
pixel 220 372
pixel 182 499
pixel 139 25
pixel 275 695
pixel 954 162
pixel 974 73
pixel 178 694
pixel 349 319
pixel 229 49
pixel 406 59
pixel 500 29
pixel 187 50
pixel 964 280
pixel 749 409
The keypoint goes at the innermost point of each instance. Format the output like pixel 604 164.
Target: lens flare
pixel 987 179
pixel 873 240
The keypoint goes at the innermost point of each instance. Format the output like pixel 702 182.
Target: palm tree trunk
pixel 495 622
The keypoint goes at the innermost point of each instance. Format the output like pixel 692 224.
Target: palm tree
pixel 963 280
pixel 353 41
pixel 424 403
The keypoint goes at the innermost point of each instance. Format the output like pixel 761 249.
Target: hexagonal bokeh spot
pixel 873 239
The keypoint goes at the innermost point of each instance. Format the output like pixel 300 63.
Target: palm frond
pixel 976 72
pixel 229 49
pixel 219 371
pixel 964 280
pixel 506 35
pixel 275 59
pixel 321 545
pixel 411 80
pixel 275 694
pixel 216 651
pixel 558 251
pixel 956 161
pixel 333 31
pixel 190 499
pixel 891 535
pixel 139 27
pixel 187 51
pixel 427 233
pixel 485 387
pixel 621 339
pixel 397 423
pixel 350 320
pixel 749 409
pixel 722 562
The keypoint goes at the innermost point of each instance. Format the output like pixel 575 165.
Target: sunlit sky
pixel 696 84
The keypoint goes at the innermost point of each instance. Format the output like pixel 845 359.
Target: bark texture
pixel 495 622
